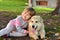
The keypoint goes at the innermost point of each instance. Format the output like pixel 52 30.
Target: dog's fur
pixel 36 27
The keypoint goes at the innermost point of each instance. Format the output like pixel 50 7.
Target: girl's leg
pixel 6 30
pixel 17 34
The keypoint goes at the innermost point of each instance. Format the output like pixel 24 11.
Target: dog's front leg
pixel 42 34
pixel 34 36
pixel 42 31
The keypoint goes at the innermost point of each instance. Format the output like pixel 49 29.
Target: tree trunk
pixel 30 3
pixel 57 9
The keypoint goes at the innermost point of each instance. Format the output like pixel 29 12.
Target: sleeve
pixel 19 26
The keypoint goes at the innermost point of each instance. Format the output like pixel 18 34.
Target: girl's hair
pixel 31 10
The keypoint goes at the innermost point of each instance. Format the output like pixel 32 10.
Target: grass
pixel 18 6
pixel 43 9
pixel 12 5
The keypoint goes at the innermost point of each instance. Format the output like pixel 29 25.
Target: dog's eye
pixel 36 21
pixel 31 21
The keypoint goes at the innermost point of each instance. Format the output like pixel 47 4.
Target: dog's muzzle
pixel 34 26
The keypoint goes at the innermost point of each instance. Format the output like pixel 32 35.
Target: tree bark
pixel 30 3
pixel 57 9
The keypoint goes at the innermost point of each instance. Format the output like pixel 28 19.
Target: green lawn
pixel 43 9
pixel 12 5
pixel 19 5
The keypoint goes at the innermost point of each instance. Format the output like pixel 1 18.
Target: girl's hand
pixel 25 31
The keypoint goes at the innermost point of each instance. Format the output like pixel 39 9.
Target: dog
pixel 36 27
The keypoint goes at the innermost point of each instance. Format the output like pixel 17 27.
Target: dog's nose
pixel 33 26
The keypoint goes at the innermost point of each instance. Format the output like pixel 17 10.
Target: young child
pixel 16 26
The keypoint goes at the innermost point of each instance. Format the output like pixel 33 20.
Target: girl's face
pixel 26 15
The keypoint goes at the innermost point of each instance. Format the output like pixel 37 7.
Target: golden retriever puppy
pixel 36 27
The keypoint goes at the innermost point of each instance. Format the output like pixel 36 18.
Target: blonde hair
pixel 31 10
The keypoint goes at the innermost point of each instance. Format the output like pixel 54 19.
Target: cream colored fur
pixel 38 30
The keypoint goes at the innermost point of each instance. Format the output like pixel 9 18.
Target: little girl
pixel 16 26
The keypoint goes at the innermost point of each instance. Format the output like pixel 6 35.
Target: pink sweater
pixel 17 23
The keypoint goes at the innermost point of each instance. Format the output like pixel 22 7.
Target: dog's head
pixel 35 22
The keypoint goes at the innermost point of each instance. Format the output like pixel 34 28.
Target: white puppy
pixel 36 27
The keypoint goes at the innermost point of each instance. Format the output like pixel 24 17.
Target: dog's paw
pixel 36 38
pixel 44 39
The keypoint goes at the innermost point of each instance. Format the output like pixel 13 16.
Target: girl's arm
pixel 21 30
pixel 19 25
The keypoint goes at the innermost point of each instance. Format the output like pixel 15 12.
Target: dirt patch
pixel 5 17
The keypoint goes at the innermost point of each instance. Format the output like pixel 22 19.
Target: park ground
pixel 9 9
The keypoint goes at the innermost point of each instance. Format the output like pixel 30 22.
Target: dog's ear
pixel 41 20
